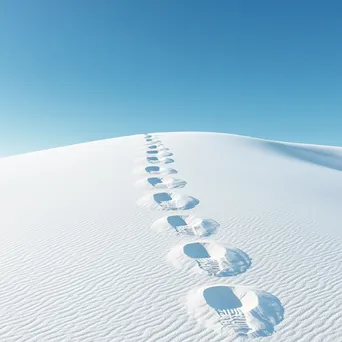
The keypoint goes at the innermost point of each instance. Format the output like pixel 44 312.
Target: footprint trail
pixel 245 311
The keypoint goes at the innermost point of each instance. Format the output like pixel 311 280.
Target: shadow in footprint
pixel 221 298
pixel 249 313
pixel 159 153
pixel 192 226
pixel 185 225
pixel 157 170
pixel 150 141
pixel 153 142
pixel 157 146
pixel 196 250
pixel 156 160
pixel 166 182
pixel 154 181
pixel 213 258
pixel 174 201
pixel 176 221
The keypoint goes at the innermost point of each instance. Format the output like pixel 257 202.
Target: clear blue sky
pixel 79 70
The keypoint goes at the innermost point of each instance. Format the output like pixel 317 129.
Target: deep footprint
pixel 186 225
pixel 158 153
pixel 168 201
pixel 157 160
pixel 166 182
pixel 148 137
pixel 150 142
pixel 247 312
pixel 211 257
pixel 157 170
pixel 174 201
pixel 160 147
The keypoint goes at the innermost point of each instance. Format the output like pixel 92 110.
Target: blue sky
pixel 79 70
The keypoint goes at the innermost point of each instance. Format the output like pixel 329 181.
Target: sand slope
pixel 211 237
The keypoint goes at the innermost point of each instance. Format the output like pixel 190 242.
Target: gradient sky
pixel 78 70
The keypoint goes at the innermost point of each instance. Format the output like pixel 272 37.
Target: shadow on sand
pixel 323 157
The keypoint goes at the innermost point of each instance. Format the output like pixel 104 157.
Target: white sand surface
pixel 212 237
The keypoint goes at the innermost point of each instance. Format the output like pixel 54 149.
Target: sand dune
pixel 172 237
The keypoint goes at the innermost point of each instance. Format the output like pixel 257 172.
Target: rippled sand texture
pixel 211 237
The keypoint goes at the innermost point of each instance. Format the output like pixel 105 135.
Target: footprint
pixel 167 182
pixel 168 201
pixel 157 146
pixel 157 170
pixel 158 153
pixel 153 142
pixel 153 170
pixel 159 160
pixel 186 225
pixel 237 308
pixel 210 257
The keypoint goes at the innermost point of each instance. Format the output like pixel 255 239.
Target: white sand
pixel 91 250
